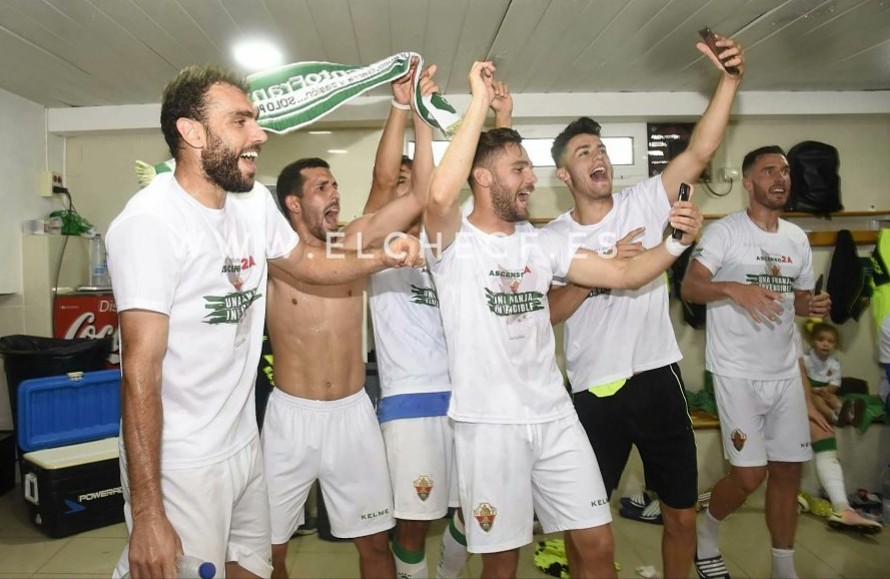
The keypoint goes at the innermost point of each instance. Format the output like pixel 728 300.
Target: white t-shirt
pixel 501 349
pixel 735 249
pixel 411 354
pixel 206 270
pixel 827 372
pixel 616 333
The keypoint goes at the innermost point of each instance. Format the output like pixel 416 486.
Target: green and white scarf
pixel 296 95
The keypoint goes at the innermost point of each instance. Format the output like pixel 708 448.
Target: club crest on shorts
pixel 738 439
pixel 423 485
pixel 485 515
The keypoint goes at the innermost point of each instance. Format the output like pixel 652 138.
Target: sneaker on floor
pixel 814 505
pixel 850 520
pixel 650 514
pixel 638 500
pixel 865 501
pixel 803 503
pixel 711 568
pixel 309 527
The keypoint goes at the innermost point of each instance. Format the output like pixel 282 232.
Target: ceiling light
pixel 337 151
pixel 320 132
pixel 255 55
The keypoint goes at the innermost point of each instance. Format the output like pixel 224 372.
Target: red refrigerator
pixel 88 315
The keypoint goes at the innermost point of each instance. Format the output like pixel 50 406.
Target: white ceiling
pixel 109 52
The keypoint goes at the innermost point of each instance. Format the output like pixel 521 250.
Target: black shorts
pixel 649 411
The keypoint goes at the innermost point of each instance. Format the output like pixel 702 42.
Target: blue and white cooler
pixel 68 431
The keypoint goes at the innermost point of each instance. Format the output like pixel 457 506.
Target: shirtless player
pixel 320 423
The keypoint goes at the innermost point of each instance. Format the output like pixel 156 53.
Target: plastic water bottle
pixel 885 496
pixel 98 263
pixel 190 568
pixel 194 568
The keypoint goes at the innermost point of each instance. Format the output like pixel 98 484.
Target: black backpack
pixel 815 183
pixel 848 280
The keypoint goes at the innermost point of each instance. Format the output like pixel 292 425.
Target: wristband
pixel 400 106
pixel 674 247
pixel 609 253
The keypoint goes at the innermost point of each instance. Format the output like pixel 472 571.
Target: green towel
pixel 874 410
pixel 550 558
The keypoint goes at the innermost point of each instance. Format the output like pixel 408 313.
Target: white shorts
pixel 763 420
pixel 220 511
pixel 339 444
pixel 509 472
pixel 420 453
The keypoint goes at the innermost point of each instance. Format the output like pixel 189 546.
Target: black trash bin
pixel 27 357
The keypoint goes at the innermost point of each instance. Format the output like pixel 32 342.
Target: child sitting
pixel 824 372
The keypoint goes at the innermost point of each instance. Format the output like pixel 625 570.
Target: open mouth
pixel 331 216
pixel 522 198
pixel 249 159
pixel 599 174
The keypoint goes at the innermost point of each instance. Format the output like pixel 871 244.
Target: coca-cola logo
pixel 84 326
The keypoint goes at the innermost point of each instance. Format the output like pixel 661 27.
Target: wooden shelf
pixel 829 217
pixel 817 238
pixel 829 238
pixel 789 214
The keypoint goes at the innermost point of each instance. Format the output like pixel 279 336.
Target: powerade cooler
pixel 68 427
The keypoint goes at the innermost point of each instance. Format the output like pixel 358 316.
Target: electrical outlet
pixel 45 184
pixel 728 174
pixel 57 179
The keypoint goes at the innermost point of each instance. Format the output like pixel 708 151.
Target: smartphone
pixel 711 41
pixel 683 196
pixel 818 289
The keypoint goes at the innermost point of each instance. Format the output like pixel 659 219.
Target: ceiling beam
pixel 641 106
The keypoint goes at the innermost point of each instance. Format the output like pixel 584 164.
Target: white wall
pixel 23 157
pixel 100 170
pixel 24 154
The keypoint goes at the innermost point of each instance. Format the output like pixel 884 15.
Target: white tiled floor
pixel 821 552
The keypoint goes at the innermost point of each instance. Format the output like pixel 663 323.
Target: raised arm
pixel 442 216
pixel 708 134
pixel 422 164
pixel 388 161
pixel 154 543
pixel 502 105
pixel 397 213
pixel 591 270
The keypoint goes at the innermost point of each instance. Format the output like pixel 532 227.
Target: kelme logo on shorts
pixel 738 439
pixel 599 503
pixel 369 516
pixel 423 485
pixel 485 515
